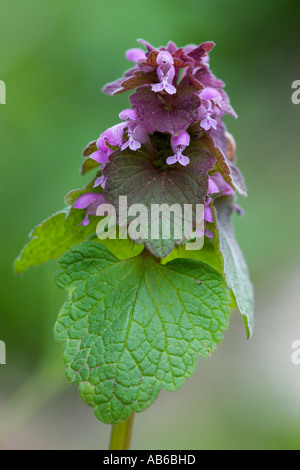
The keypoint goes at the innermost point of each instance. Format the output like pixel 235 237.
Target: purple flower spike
pixel 179 143
pixel 165 73
pixel 135 55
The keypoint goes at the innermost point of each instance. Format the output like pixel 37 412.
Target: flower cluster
pixel 177 100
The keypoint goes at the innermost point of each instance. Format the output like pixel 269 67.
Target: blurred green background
pixel 55 58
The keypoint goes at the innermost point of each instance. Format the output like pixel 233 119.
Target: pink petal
pixel 135 54
pixel 86 199
pixel 210 94
pixel 169 88
pixel 128 114
pixel 212 187
pixel 209 233
pixel 183 160
pixel 125 145
pixel 182 139
pixel 208 214
pixel 99 156
pixel 164 59
pixel 134 144
pixel 157 87
pixel 171 160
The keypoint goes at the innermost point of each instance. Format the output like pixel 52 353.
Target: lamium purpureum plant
pixel 142 307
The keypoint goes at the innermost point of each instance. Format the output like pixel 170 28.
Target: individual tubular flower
pixel 209 98
pixel 136 133
pixel 178 145
pixel 165 73
pixel 113 137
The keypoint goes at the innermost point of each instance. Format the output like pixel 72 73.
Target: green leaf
pixel 235 268
pixel 90 148
pixel 73 195
pixel 88 165
pixel 54 237
pixel 134 175
pixel 134 326
pixel 208 254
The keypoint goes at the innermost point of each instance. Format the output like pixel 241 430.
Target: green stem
pixel 121 435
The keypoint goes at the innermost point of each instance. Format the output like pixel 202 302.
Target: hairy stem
pixel 121 435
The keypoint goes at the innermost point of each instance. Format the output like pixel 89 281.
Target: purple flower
pixel 136 133
pixel 89 202
pixel 209 98
pixel 101 181
pixel 165 73
pixel 208 122
pixel 113 137
pixel 178 145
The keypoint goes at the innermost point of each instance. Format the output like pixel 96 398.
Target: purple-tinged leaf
pixel 88 165
pixel 156 116
pixel 138 79
pixel 90 148
pixel 198 52
pixel 133 174
pixel 229 171
pixel 116 86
